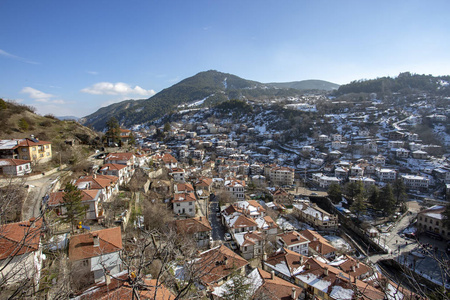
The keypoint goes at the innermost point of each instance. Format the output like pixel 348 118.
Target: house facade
pixel 96 253
pixel 15 167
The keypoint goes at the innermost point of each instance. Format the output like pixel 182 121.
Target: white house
pixel 293 241
pixel 386 175
pixel 97 252
pixel 184 204
pixel 21 252
pixel 15 167
pixel 416 182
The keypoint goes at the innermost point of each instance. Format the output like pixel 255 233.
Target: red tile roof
pixel 217 263
pixel 56 198
pixel 276 288
pixel 30 143
pixel 112 167
pixel 317 242
pixel 82 246
pixel 193 225
pixel 119 288
pixel 20 238
pixel 98 181
pixel 119 156
pixel 13 162
pixel 183 197
pixel 292 238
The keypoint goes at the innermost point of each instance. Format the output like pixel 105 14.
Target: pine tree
pixel 23 124
pixel 387 200
pixel 335 193
pixel 73 205
pixel 112 132
pixel 399 190
pixel 374 198
pixel 359 206
pixel 238 288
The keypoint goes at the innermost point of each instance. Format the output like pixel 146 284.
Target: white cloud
pixel 119 88
pixel 12 56
pixel 92 72
pixel 40 96
pixel 37 94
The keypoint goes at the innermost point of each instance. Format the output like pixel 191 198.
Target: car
pixel 313 194
pixel 233 245
pixel 227 236
pixel 410 235
pixel 218 215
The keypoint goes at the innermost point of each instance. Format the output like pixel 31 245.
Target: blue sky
pixel 72 57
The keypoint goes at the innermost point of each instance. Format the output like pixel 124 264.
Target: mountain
pixel 64 118
pixel 20 121
pixel 311 84
pixel 203 89
pixel 404 83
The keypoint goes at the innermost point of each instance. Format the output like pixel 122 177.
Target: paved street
pixel 38 188
pixel 425 256
pixel 218 229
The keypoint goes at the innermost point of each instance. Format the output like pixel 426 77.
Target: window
pixel 48 153
pixel 190 209
pixel 190 203
pixel 178 204
pixel 24 150
pixel 245 248
pixel 46 146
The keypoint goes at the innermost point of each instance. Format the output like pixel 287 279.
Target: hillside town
pixel 206 206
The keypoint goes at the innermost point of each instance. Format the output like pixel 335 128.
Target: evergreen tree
pixel 112 132
pixel 23 124
pixel 446 216
pixel 399 191
pixel 2 104
pixel 167 127
pixel 73 205
pixel 238 288
pixel 352 189
pixel 387 200
pixel 335 193
pixel 132 139
pixel 359 206
pixel 374 198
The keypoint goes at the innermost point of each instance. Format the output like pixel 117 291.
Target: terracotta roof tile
pixel 217 263
pixel 20 238
pixel 193 225
pixel 82 246
pixel 292 238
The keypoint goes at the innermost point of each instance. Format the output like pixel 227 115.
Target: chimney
pixel 264 256
pixel 94 176
pixel 272 274
pixel 107 279
pixel 357 264
pixel 353 268
pixel 325 271
pixel 301 260
pixel 294 293
pixel 95 238
pixel 354 279
pixel 307 266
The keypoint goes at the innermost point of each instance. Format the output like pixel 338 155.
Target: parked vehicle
pixel 233 245
pixel 227 236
